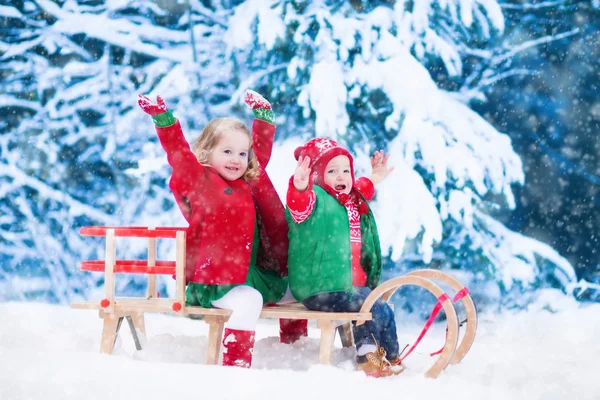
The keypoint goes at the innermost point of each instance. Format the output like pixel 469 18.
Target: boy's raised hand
pixel 151 108
pixel 380 168
pixel 302 174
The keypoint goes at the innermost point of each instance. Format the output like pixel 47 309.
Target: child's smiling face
pixel 338 175
pixel 230 155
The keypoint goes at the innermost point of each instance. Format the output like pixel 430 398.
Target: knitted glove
pixel 259 106
pixel 161 116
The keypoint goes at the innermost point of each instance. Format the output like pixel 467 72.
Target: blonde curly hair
pixel 212 133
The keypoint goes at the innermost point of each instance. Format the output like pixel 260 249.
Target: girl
pixel 334 257
pixel 236 242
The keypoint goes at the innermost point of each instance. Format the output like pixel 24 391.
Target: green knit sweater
pixel 319 257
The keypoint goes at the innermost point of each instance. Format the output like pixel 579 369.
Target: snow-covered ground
pixel 51 352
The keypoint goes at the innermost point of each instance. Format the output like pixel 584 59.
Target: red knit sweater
pixel 222 214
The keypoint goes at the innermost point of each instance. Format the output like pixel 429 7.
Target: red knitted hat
pixel 321 151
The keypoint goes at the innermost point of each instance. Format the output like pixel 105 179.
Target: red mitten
pixel 149 107
pixel 256 101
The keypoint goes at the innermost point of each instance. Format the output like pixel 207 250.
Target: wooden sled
pixel 113 310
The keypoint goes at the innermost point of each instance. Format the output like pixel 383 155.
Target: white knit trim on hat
pixel 327 150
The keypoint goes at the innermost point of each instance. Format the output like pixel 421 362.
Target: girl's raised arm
pixel 263 126
pixel 179 154
pixel 267 200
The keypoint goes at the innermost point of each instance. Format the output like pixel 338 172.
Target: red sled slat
pixel 132 231
pixel 132 267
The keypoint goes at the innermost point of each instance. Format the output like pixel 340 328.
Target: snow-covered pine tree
pixel 376 74
pixel 400 75
pixel 74 149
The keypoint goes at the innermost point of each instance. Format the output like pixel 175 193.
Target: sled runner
pixel 113 309
pixel 424 278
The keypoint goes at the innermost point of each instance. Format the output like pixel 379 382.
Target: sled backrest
pixel 151 266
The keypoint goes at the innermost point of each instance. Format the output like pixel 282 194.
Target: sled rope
pixel 438 307
pixel 458 296
pixel 428 324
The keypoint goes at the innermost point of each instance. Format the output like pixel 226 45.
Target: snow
pixel 326 94
pixel 7 100
pixel 48 192
pixel 414 211
pixel 118 32
pixel 9 12
pixel 282 164
pixel 51 352
pixel 423 30
pixel 270 27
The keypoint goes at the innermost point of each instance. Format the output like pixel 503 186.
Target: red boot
pixel 291 330
pixel 238 346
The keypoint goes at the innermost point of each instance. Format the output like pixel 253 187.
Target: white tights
pixel 245 304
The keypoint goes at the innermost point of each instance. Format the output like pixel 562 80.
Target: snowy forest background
pixel 489 109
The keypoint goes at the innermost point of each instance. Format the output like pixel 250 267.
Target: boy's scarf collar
pixel 343 198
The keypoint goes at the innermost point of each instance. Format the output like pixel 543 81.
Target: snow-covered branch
pixel 76 207
pixel 533 6
pixel 532 43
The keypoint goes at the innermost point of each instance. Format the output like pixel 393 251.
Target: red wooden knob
pixel 176 306
pixel 105 303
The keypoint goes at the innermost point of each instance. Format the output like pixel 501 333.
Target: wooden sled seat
pixel 135 308
pixel 113 309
